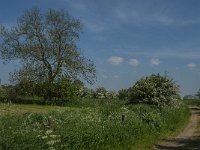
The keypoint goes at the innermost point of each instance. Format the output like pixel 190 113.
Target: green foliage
pixel 9 92
pixel 155 90
pixel 188 97
pixel 124 94
pixel 102 93
pixel 198 93
pixel 63 89
pixel 192 102
pixel 45 45
pixel 91 128
pixel 67 88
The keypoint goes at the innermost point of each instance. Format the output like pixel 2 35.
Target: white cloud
pixel 134 62
pixel 191 65
pixel 115 60
pixel 155 61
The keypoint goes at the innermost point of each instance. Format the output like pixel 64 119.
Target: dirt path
pixel 187 139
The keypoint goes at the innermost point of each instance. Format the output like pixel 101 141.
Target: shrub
pixel 66 88
pixel 124 94
pixel 155 90
pixel 103 93
pixel 100 93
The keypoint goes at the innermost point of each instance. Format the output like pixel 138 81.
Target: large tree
pixel 45 44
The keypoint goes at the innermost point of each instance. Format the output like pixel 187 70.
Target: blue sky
pixel 128 39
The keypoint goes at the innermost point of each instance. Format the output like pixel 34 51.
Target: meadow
pixel 103 124
pixel 48 105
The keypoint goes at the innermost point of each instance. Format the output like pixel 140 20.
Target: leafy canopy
pixel 45 43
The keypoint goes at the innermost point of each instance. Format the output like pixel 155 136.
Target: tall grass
pixel 110 126
pixel 192 102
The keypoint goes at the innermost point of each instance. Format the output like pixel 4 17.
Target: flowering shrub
pixel 155 90
pixel 102 93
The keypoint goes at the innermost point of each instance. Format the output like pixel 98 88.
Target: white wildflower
pixel 49 131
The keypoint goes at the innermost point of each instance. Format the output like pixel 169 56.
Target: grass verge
pixel 108 126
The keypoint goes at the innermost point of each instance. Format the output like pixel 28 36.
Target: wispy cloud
pixel 115 60
pixel 191 65
pixel 115 76
pixel 176 53
pixel 77 5
pixel 155 61
pixel 139 15
pixel 134 62
pixel 94 27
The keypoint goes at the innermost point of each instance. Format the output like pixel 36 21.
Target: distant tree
pixel 67 88
pixel 100 92
pixel 198 93
pixel 124 94
pixel 190 97
pixel 85 92
pixel 111 95
pixel 46 45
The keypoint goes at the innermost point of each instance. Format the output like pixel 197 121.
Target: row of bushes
pixel 106 127
pixel 154 90
pixel 83 102
pixel 24 100
pixel 66 92
pixel 192 102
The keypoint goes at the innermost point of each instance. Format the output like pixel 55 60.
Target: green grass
pixel 192 102
pixel 195 103
pixel 89 127
pixel 24 108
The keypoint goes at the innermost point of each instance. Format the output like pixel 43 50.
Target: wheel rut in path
pixel 188 139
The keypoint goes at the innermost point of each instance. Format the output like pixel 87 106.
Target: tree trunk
pixel 49 93
pixel 49 86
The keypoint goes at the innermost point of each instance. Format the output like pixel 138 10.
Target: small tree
pixel 124 94
pixel 198 93
pixel 189 97
pixel 46 45
pixel 100 92
pixel 155 90
pixel 111 95
pixel 67 88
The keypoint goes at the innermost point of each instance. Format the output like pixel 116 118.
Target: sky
pixel 128 39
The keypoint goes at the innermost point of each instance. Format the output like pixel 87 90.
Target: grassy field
pixel 24 108
pixel 105 126
pixel 192 102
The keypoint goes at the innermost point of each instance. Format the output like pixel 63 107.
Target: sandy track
pixel 187 139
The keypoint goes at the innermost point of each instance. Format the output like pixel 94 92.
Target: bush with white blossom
pixel 155 90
